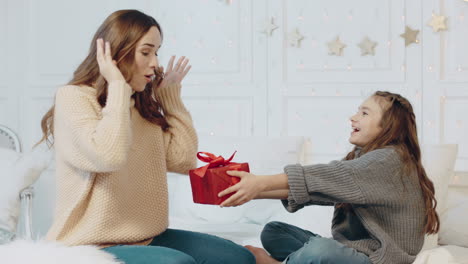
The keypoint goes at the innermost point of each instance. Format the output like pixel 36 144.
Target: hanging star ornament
pixel 367 47
pixel 438 23
pixel 295 38
pixel 410 36
pixel 269 26
pixel 336 47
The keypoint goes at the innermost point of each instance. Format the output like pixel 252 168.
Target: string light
pixel 212 133
pixel 349 67
pixel 403 18
pixel 459 68
pixel 337 147
pixel 403 67
pixel 350 16
pixel 298 116
pixel 325 16
pixel 325 66
pixel 430 68
pixel 229 43
pixel 314 43
pixel 199 44
pixel 213 60
pixel 418 95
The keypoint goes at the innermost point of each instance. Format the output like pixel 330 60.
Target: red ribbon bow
pixel 212 160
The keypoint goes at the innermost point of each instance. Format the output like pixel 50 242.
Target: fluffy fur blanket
pixel 43 252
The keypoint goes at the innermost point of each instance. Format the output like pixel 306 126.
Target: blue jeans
pixel 294 245
pixel 183 247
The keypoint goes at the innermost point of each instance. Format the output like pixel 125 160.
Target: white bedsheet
pixel 249 234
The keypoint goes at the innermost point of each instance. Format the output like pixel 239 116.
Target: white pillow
pixel 454 228
pixel 17 172
pixel 439 162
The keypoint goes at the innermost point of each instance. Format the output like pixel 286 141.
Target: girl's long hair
pixel 399 131
pixel 122 29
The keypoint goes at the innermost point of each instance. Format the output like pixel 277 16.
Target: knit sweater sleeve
pixel 366 180
pixel 180 139
pixel 88 138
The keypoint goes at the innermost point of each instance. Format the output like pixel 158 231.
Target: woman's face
pixel 146 59
pixel 366 122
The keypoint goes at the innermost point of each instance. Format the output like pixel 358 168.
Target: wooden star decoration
pixel 336 47
pixel 438 23
pixel 295 38
pixel 367 47
pixel 410 36
pixel 269 27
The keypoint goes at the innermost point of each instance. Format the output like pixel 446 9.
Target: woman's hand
pixel 107 66
pixel 247 189
pixel 175 74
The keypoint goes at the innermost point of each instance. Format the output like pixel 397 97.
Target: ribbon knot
pixel 213 162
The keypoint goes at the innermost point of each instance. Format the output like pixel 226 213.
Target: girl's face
pixel 366 122
pixel 146 59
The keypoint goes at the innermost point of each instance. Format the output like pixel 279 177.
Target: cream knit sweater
pixel 111 165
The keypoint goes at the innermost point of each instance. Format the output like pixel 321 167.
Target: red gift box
pixel 209 180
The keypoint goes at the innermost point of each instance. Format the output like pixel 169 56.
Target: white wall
pixel 245 82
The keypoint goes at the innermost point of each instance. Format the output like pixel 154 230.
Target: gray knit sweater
pixel 387 217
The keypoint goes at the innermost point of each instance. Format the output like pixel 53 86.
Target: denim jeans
pixel 183 247
pixel 294 245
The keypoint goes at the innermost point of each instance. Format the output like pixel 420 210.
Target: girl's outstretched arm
pixel 256 187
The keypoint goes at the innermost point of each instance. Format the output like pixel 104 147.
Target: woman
pixel 118 127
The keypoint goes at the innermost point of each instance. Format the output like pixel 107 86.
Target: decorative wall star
pixel 438 23
pixel 410 36
pixel 336 47
pixel 367 47
pixel 295 38
pixel 269 26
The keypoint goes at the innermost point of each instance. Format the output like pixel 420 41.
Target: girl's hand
pixel 247 189
pixel 107 66
pixel 175 74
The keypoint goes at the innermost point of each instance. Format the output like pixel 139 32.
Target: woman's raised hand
pixel 175 73
pixel 107 66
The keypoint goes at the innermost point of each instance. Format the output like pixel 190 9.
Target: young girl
pixel 384 202
pixel 117 128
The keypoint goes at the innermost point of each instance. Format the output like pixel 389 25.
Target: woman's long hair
pixel 122 29
pixel 399 130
